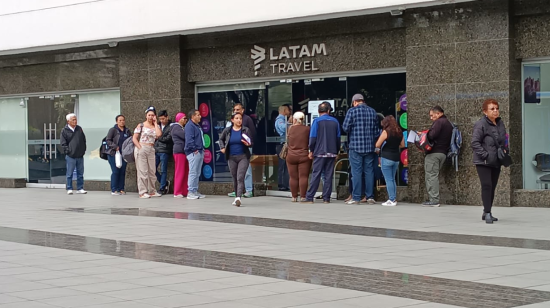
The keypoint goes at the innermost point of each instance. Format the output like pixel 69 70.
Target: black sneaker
pixel 167 188
pixel 430 204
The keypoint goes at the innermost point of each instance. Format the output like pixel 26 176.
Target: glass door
pixel 46 119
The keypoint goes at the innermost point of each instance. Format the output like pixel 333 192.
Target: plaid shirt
pixel 363 128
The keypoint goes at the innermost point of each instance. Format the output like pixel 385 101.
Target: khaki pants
pixel 145 165
pixel 432 165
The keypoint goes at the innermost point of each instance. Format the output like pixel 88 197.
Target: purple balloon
pixel 405 175
pixel 205 125
pixel 403 102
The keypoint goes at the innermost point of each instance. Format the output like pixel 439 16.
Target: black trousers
pixel 488 176
pixel 238 164
pixel 321 165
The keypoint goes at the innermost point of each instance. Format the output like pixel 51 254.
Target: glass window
pixel 536 125
pixel 216 106
pixel 96 114
pixel 13 138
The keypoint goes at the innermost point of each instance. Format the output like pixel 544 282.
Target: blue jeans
pixel 362 167
pixel 162 159
pixel 195 165
pixel 248 178
pixel 389 169
pixel 73 163
pixel 118 175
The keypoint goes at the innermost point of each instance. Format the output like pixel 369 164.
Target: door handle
pixel 55 144
pixel 45 143
pixel 50 131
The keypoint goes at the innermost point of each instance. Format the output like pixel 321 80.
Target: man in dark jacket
pixel 324 145
pixel 248 123
pixel 73 142
pixel 194 150
pixel 439 135
pixel 163 151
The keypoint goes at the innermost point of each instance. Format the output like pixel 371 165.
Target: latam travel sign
pixel 288 59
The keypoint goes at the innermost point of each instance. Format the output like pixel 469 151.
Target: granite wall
pixel 153 73
pixel 67 70
pixel 352 44
pixel 458 56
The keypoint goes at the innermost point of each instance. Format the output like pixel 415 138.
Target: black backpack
pixel 103 148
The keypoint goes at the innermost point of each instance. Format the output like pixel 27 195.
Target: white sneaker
pixel 81 191
pixel 389 203
pixel 192 196
pixel 156 194
pixel 237 202
pixel 371 201
pixel 145 196
pixel 69 192
pixel 178 196
pixel 201 196
pixel 115 193
pixel 352 202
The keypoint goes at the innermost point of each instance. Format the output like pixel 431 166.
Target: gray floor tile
pixel 279 301
pixel 330 294
pixel 286 287
pixel 73 281
pixel 141 293
pixel 23 286
pixel 28 304
pixel 196 286
pixel 80 300
pixel 379 301
pixel 47 293
pixel 47 275
pixel 105 287
pixel 6 299
pixel 235 293
pixel 181 300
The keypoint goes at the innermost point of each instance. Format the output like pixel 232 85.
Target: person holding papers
pixel 235 142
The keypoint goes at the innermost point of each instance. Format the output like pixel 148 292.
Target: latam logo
pixel 288 59
pixel 258 55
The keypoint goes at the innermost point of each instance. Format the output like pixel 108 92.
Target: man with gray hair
pixel 73 142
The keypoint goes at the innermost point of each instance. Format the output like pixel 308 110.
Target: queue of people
pixel 310 149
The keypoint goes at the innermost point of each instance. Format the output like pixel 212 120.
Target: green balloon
pixel 206 141
pixel 403 120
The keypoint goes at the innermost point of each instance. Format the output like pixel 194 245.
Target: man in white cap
pixel 73 142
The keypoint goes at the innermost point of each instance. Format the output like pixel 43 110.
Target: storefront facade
pixel 454 56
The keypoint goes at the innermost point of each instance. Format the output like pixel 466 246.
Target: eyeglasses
pixel 494 109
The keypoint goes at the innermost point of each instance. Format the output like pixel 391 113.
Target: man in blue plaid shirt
pixel 363 129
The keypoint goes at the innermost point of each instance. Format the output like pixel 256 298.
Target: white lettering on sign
pixel 289 53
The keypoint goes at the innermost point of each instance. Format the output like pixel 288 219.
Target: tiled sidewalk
pixel 460 264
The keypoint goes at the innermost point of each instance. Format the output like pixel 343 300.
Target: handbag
pixel 504 158
pixel 118 159
pixel 284 149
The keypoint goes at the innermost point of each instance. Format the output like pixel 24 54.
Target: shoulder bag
pixel 284 149
pixel 503 157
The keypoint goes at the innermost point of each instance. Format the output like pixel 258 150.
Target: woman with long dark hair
pixel 389 145
pixel 145 135
pixel 488 137
pixel 234 143
pixel 115 138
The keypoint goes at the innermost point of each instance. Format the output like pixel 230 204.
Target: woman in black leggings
pixel 489 135
pixel 234 142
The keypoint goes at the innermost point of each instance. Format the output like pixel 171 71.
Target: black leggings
pixel 488 176
pixel 238 164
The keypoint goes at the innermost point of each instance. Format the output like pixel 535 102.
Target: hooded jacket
pixel 483 144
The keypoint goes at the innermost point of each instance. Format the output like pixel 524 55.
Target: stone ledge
pixel 531 198
pixel 13 183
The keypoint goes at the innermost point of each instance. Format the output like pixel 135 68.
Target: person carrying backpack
pixel 115 138
pixel 439 135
